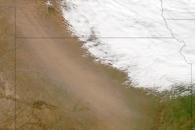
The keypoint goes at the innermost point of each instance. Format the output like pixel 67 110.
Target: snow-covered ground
pixel 179 9
pixel 133 36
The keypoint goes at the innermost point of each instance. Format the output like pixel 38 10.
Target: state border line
pixel 105 37
pixel 14 61
pixel 15 68
pixel 189 63
pixel 180 19
pixel 8 6
pixel 83 37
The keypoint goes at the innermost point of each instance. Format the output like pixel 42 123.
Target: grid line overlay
pixel 105 37
pixel 180 19
pixel 14 61
pixel 15 68
pixel 15 7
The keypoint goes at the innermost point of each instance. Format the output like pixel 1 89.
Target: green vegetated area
pixel 177 110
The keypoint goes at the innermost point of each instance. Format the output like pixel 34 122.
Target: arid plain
pixel 47 82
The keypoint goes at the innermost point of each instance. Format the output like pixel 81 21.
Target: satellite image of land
pixel 97 65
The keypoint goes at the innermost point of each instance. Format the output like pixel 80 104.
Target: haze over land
pixel 47 83
pixel 138 37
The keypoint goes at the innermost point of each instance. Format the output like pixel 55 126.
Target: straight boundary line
pixel 189 63
pixel 15 68
pixel 14 61
pixel 9 6
pixel 103 37
pixel 83 37
pixel 180 19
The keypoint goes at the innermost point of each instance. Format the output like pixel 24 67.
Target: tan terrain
pixel 47 82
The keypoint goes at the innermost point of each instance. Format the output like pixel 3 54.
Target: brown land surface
pixel 48 83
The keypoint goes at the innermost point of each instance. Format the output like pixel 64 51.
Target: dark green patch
pixel 177 111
